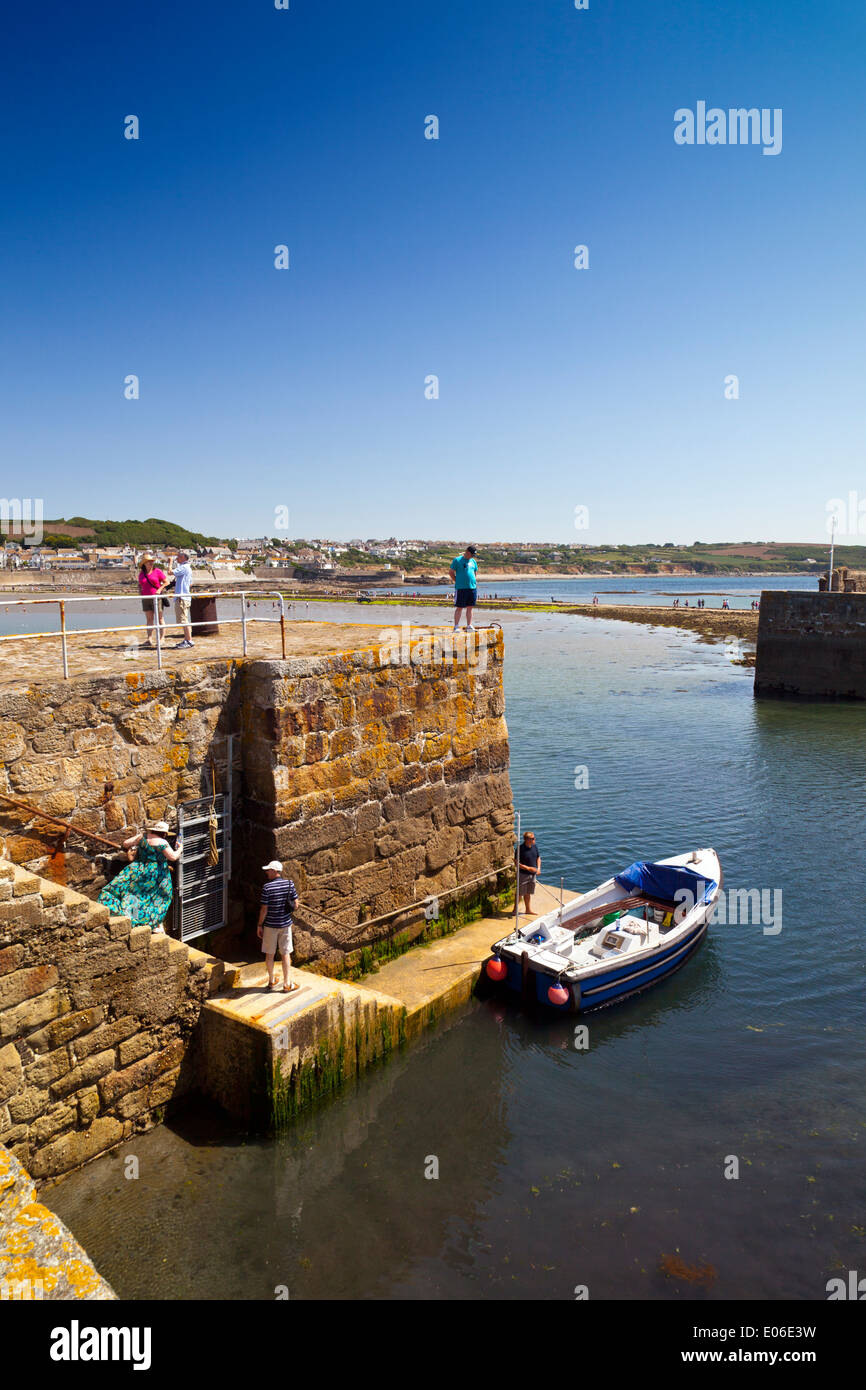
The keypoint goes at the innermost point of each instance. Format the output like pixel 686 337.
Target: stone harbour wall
pixel 106 753
pixel 377 777
pixel 95 1021
pixel 811 645
pixel 39 1256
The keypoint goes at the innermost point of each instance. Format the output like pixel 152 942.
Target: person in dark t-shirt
pixel 528 869
pixel 278 901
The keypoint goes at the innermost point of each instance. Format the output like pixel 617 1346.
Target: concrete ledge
pixel 436 978
pixel 264 1056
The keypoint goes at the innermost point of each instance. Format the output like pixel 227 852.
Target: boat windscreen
pixel 664 881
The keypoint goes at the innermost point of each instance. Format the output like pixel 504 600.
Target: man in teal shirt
pixel 463 572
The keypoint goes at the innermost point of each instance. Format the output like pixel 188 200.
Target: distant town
pixel 84 544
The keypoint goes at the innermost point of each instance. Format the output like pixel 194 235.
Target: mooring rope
pixel 213 857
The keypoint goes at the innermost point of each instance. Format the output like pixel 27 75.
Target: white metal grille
pixel 202 888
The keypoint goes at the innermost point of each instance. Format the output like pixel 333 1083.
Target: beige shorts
pixel 277 939
pixel 181 610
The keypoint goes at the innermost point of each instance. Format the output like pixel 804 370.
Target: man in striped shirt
pixel 279 896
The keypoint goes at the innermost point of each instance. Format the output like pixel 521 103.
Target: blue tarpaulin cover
pixel 664 880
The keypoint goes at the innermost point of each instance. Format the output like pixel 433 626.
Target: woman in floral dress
pixel 143 890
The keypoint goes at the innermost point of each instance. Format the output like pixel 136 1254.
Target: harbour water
pixel 653 591
pixel 18 614
pixel 559 1166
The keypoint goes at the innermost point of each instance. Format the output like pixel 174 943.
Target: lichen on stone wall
pixel 377 785
pixel 39 1258
pixel 95 1019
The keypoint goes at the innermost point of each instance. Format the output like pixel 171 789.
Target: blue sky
pixel 559 388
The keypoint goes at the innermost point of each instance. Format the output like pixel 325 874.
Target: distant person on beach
pixel 278 901
pixel 150 583
pixel 528 869
pixel 595 600
pixel 464 575
pixel 182 575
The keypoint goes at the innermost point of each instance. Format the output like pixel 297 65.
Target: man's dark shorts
pixel 466 598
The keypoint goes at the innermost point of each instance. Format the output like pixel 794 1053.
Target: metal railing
pixel 64 633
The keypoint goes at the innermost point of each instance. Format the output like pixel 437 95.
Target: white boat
pixel 632 931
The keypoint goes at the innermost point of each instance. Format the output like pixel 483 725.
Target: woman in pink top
pixel 150 583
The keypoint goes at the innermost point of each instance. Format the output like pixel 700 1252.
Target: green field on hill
pixel 81 530
pixel 723 557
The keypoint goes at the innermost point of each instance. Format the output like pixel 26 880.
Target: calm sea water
pixel 28 616
pixel 657 591
pixel 560 1167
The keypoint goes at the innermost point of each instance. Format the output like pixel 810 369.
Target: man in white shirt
pixel 182 575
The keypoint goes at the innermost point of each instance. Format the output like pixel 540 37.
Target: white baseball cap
pixel 275 865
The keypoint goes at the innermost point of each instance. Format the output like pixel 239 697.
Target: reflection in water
pixel 560 1166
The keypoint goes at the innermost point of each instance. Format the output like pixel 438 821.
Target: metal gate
pixel 202 888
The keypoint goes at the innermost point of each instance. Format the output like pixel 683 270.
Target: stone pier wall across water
pixel 811 645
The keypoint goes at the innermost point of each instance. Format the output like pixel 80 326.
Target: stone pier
pixel 812 645
pixel 377 772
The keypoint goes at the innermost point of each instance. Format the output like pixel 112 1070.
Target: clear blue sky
pixel 558 388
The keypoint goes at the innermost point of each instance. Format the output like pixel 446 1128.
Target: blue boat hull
pixel 609 986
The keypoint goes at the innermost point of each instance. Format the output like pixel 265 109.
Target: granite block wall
pixel 95 1022
pixel 378 777
pixel 811 645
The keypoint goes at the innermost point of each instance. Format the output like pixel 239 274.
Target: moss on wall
pixel 485 901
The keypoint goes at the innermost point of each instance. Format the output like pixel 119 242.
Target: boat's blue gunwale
pixel 584 1001
pixel 602 975
pixel 614 984
pixel 626 988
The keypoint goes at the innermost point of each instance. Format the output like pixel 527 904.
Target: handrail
pixel 407 907
pixel 275 593
pixel 64 632
pixel 120 598
pixel 55 820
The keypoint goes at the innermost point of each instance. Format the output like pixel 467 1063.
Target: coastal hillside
pixel 702 557
pixel 429 560
pixel 152 531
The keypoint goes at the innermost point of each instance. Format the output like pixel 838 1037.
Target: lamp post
pixel 832 547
